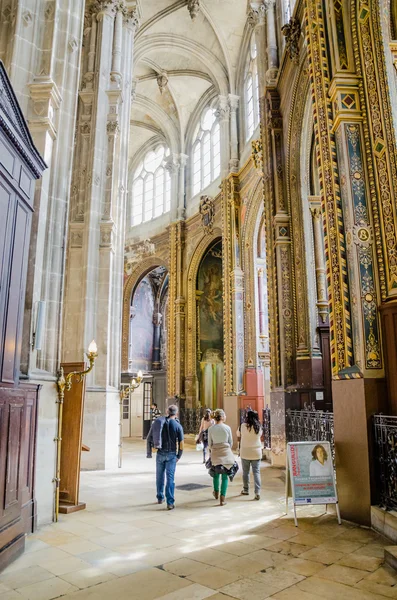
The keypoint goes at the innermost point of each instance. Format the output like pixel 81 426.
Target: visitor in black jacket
pixel 166 434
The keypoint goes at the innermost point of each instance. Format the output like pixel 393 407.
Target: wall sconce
pixel 124 393
pixel 65 383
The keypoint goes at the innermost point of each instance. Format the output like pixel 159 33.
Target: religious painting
pixel 141 328
pixel 210 327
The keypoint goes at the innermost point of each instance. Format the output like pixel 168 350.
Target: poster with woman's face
pixel 312 472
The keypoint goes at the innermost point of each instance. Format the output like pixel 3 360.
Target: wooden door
pixel 18 421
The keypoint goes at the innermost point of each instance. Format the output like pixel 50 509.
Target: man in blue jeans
pixel 166 434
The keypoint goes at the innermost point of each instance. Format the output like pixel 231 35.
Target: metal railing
pixel 309 424
pixel 190 419
pixel 385 451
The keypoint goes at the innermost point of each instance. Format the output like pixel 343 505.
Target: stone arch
pixel 249 240
pixel 138 272
pixel 191 325
pixel 300 94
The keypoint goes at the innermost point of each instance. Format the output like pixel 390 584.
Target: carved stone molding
pixel 257 154
pixel 292 31
pixel 162 81
pixel 256 14
pixel 193 7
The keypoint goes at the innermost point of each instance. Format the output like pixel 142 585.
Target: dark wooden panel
pixel 16 297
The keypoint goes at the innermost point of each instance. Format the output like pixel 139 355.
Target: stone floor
pixel 124 546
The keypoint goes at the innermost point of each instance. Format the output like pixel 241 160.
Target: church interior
pixel 197 208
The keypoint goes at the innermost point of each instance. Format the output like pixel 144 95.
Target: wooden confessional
pixel 20 165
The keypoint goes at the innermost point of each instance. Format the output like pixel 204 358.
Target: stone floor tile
pixel 266 558
pixel 210 557
pixel 277 579
pixel 247 589
pixel 384 575
pixel 242 566
pixel 214 577
pixel 4 588
pixel 219 596
pixel 57 538
pixel 102 558
pixel 236 548
pixel 308 539
pixel 32 545
pixel 145 585
pixel 80 546
pixel 344 546
pixel 342 574
pixel 66 566
pixel 373 550
pixel 282 533
pixel 289 549
pixel 360 561
pixel 360 535
pixel 183 567
pixel 302 566
pixel 46 590
pixel 377 588
pixel 11 595
pixel 17 579
pixel 259 542
pixel 294 593
pixel 87 577
pixel 192 592
pixel 331 590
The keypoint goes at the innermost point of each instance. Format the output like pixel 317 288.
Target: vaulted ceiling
pixel 183 58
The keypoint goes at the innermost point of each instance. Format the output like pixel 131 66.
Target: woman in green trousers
pixel 222 464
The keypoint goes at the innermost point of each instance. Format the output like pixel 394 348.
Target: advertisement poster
pixel 311 473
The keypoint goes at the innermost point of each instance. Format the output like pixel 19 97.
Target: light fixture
pixel 125 391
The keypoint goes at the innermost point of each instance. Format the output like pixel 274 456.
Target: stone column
pixel 44 66
pixel 94 287
pixel 319 258
pixel 223 114
pixel 356 356
pixel 176 303
pixel 257 19
pixel 157 320
pixel 181 162
pixel 272 52
pixel 234 159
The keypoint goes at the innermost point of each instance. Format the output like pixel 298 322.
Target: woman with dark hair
pixel 320 465
pixel 206 423
pixel 250 434
pixel 222 463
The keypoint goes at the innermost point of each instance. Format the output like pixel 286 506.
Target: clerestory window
pixel 151 187
pixel 251 89
pixel 206 151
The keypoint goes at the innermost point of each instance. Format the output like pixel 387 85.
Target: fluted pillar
pixel 223 114
pixel 234 158
pixel 272 52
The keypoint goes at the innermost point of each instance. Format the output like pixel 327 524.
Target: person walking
pixel 206 422
pixel 166 434
pixel 154 412
pixel 222 464
pixel 250 434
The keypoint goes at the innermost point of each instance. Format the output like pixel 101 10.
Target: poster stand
pixel 293 478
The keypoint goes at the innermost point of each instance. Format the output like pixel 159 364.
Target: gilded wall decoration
pixel 257 154
pixel 192 315
pixel 292 31
pixel 207 212
pixel 294 192
pixel 341 343
pixel 380 136
pixel 362 243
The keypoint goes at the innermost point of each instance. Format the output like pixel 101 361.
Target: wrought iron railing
pixel 265 424
pixel 385 450
pixel 309 424
pixel 190 419
pixel 266 428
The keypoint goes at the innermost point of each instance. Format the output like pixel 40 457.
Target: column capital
pixel 233 102
pixel 256 13
pixel 269 4
pixel 223 109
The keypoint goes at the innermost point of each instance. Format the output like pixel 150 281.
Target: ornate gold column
pixel 319 260
pixel 233 290
pixel 176 313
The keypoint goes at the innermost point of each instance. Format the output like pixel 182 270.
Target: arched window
pixel 151 187
pixel 251 89
pixel 206 151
